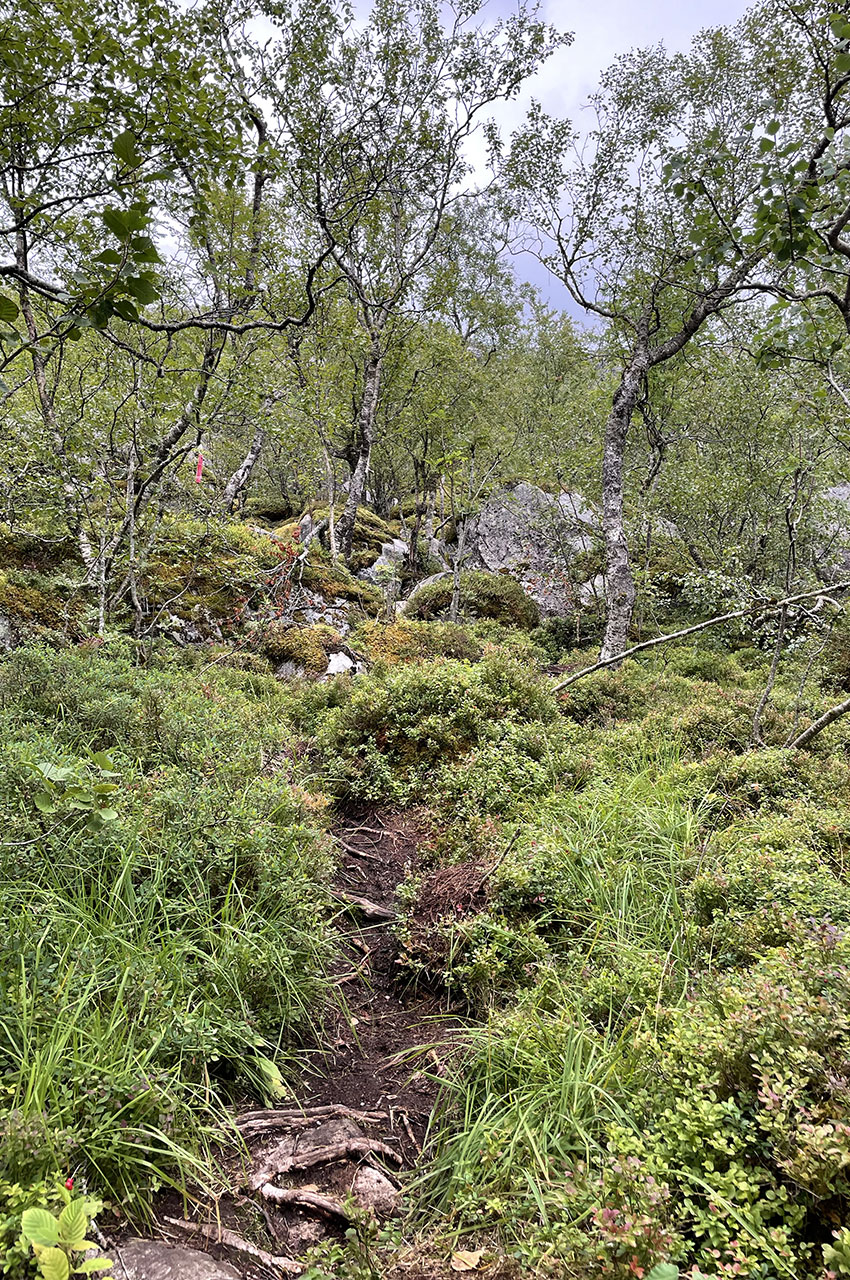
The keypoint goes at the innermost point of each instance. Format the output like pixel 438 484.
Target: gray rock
pixel 290 671
pixel 393 555
pixel 534 536
pixel 592 591
pixel 156 1260
pixel 373 1190
pixel 8 638
pixel 340 664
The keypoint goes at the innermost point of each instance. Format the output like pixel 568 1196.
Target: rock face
pixel 534 536
pixel 156 1260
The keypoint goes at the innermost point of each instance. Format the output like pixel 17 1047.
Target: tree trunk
pixel 239 480
pixel 331 482
pixel 366 423
pixel 619 580
pixel 454 608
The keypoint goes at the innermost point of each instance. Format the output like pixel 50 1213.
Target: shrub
pixel 399 724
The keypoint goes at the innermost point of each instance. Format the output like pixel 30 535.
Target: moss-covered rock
pixel 370 531
pixel 38 612
pixel 406 641
pixel 334 582
pixel 307 647
pixel 214 565
pixel 482 595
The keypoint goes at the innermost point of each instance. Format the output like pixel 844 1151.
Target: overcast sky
pixel 603 29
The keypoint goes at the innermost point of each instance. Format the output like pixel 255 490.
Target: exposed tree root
pixel 230 1240
pixel 251 1122
pixel 303 1199
pixel 282 1163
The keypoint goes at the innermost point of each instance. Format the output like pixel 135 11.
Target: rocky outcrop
pixel 537 538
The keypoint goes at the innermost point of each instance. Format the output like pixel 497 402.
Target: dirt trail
pixel 366 1098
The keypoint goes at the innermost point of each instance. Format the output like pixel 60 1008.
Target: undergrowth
pixel 653 954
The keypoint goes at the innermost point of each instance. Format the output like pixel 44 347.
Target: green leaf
pixel 663 1271
pixel 124 147
pixel 93 1264
pixel 126 310
pixel 116 222
pixel 54 772
pixel 143 289
pixel 53 1264
pixel 9 310
pixel 107 815
pixel 111 257
pixel 104 763
pixel 40 1227
pixel 73 1223
pixel 44 803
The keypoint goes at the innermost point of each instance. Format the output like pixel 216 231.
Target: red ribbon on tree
pixel 199 470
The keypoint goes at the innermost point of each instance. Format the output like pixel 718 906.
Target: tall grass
pixel 155 970
pixel 529 1098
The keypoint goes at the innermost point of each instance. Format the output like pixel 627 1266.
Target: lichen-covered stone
pixel 536 537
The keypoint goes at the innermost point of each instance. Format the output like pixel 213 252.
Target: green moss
pixel 30 551
pixel 308 647
pixel 37 612
pixel 482 595
pixel 363 559
pixel 214 566
pixel 405 641
pixel 370 531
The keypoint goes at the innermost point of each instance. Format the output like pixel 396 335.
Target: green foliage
pixel 57 1241
pixel 169 959
pixel 400 724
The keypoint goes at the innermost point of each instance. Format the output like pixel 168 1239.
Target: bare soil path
pixel 365 1100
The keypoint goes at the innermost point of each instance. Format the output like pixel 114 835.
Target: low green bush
pixel 401 724
pixel 162 963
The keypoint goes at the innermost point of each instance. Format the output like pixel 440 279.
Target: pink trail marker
pixel 199 470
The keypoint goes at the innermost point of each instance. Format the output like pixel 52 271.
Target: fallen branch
pixel 771 607
pixel 828 718
pixel 230 1240
pixel 281 1163
pixel 302 1199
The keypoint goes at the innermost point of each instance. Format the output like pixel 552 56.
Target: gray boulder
pixel 156 1260
pixel 392 557
pixel 534 536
